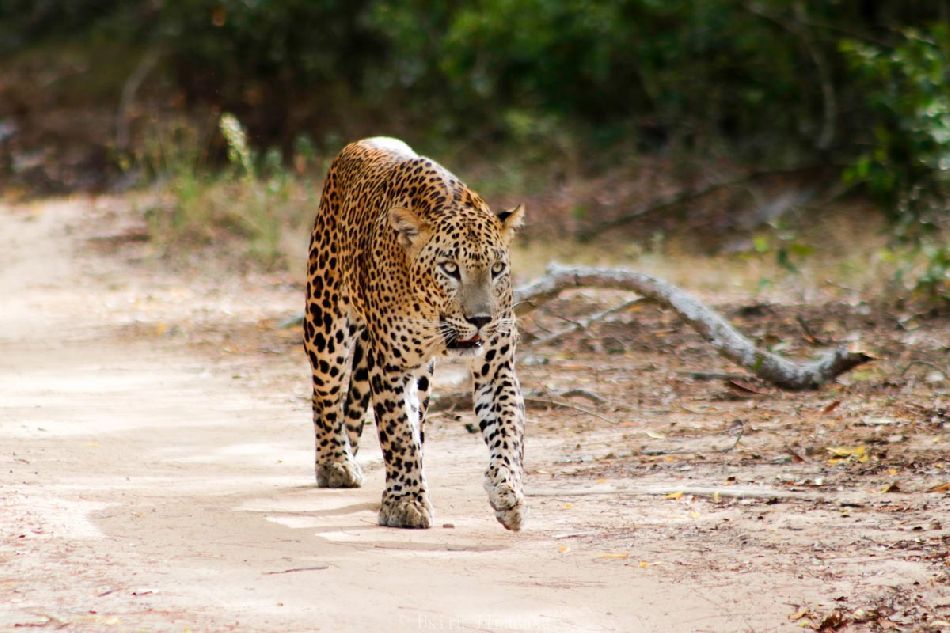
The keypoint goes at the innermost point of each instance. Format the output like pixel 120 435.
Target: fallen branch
pixel 463 400
pixel 459 401
pixel 711 375
pixel 682 196
pixel 294 570
pixel 715 493
pixel 713 327
pixel 563 404
pixel 582 393
pixel 925 363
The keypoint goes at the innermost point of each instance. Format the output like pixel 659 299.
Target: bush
pixel 907 166
pixel 766 82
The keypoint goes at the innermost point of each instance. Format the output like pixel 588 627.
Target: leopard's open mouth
pixel 470 343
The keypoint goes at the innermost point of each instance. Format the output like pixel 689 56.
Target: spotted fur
pixel 407 263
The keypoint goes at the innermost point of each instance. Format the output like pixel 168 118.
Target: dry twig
pixel 685 195
pixel 584 323
pixel 925 363
pixel 564 404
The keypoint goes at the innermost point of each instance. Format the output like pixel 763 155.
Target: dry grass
pixel 257 214
pixel 263 223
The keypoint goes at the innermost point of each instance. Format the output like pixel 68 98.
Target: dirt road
pixel 155 450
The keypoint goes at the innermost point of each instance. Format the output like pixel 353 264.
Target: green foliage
pixel 907 168
pixel 788 250
pixel 921 272
pixel 760 77
pixel 662 70
pixel 23 23
pixel 934 282
pixel 568 82
pixel 241 47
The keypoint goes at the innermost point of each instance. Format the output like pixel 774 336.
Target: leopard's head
pixel 460 268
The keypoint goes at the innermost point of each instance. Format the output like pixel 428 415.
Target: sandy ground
pixel 155 446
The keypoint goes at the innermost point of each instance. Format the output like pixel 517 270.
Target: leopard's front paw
pixel 405 512
pixel 507 500
pixel 344 474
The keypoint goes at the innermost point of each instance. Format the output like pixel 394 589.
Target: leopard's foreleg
pixel 499 409
pixel 399 422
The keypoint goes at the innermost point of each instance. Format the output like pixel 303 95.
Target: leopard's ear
pixel 411 228
pixel 511 220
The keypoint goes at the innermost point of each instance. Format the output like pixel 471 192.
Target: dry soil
pixel 155 451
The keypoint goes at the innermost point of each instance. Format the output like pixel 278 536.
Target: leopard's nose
pixel 478 321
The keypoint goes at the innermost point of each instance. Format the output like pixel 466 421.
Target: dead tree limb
pixel 713 327
pixel 683 196
pixel 462 400
pixel 665 202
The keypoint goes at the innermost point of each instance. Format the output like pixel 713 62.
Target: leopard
pixel 407 264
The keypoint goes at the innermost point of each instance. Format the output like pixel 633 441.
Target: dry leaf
pixel 643 564
pixel 567 506
pixel 834 404
pixel 945 487
pixel 655 435
pixel 796 458
pixel 673 496
pixel 564 549
pixel 798 615
pixel 615 555
pixel 832 622
pixel 43 622
pixel 847 453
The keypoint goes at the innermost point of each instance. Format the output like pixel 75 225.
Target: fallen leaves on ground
pixel 810 619
pixel 843 454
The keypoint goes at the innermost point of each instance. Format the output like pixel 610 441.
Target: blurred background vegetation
pixel 741 120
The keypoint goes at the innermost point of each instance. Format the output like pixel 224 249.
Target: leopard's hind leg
pixel 357 396
pixel 424 387
pixel 328 340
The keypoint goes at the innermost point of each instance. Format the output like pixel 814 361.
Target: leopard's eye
pixel 498 268
pixel 450 268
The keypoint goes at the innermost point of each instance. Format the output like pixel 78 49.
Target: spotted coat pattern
pixel 407 263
